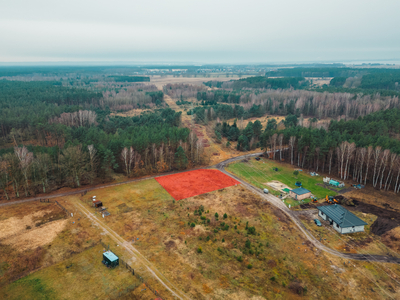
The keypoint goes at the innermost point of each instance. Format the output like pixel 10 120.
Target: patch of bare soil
pixel 386 221
pixel 281 215
pixel 392 238
pixel 14 225
pixel 34 238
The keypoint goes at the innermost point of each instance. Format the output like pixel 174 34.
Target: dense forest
pixel 261 82
pixel 56 136
pixel 297 102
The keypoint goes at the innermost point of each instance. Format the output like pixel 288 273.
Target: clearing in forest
pixel 188 184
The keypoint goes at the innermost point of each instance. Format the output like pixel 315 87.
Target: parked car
pixel 317 222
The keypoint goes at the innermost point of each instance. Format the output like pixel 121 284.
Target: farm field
pixel 160 81
pixel 210 257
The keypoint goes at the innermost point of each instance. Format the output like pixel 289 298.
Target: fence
pixel 45 200
pixel 140 278
pixel 63 208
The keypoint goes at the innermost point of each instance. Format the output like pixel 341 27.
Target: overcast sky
pixel 205 31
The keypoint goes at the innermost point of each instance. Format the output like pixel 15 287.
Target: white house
pixel 341 219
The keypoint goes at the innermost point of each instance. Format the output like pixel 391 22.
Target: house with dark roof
pixel 300 193
pixel 341 219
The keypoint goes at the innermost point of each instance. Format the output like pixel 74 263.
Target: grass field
pixel 220 258
pixel 260 172
pixel 85 278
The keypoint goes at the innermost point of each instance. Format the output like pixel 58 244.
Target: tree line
pixel 364 150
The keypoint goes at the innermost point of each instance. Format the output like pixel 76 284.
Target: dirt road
pixel 136 257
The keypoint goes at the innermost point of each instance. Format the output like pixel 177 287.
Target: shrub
pixel 249 266
pixel 203 217
pixel 215 230
pixel 283 284
pixel 295 173
pixel 251 252
pixel 247 225
pixel 240 259
pixel 251 230
pixel 248 244
pixel 216 215
pixel 199 250
pixel 208 220
pixel 208 238
pixel 273 278
pixel 225 216
pixel 192 225
pixel 235 226
pixel 200 238
pixel 223 240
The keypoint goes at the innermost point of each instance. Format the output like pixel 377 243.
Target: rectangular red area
pixel 192 183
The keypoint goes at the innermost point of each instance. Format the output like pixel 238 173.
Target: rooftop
pixel 111 256
pixel 341 216
pixel 301 191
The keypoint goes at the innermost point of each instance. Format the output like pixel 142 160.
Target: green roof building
pixel 110 259
pixel 341 219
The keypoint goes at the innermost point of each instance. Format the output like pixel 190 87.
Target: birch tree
pixel 25 160
pixel 292 141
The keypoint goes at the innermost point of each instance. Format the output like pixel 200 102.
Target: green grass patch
pixel 260 172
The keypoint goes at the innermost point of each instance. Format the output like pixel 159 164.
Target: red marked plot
pixel 188 184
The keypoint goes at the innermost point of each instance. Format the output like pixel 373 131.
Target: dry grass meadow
pixel 233 263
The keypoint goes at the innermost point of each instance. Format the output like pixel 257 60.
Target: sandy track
pixel 136 256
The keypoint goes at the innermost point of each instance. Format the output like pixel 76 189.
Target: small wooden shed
pixel 97 203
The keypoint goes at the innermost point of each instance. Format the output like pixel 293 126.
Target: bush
pixel 249 266
pixel 199 250
pixel 208 238
pixel 208 220
pixel 295 173
pixel 273 278
pixel 235 226
pixel 192 225
pixel 240 259
pixel 223 240
pixel 203 217
pixel 216 215
pixel 248 244
pixel 251 230
pixel 225 216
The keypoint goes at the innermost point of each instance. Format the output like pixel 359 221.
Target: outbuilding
pixel 341 219
pixel 110 259
pixel 97 203
pixel 300 193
